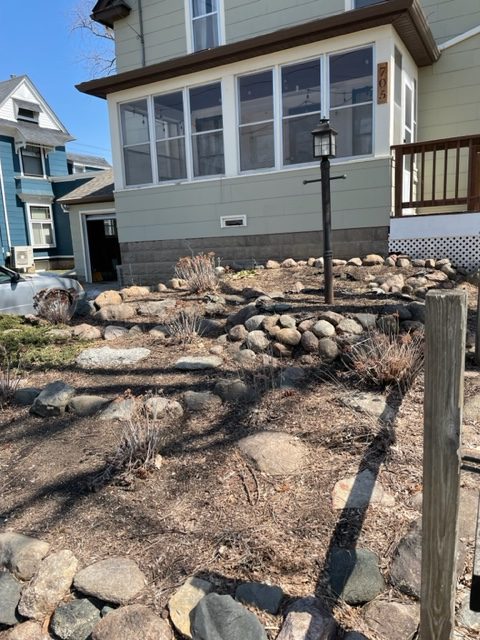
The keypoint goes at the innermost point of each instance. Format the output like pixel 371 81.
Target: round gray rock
pixel 135 622
pixel 288 337
pixel 257 341
pixel 349 326
pixel 75 620
pixel 354 575
pixel 21 554
pixel 275 453
pixel 328 349
pixel 254 323
pixel 201 400
pixel 113 332
pixel 221 618
pixel 114 579
pixel 238 333
pixel 262 596
pixel 323 329
pixel 86 405
pixel 184 601
pixel 392 620
pixel 52 401
pixel 232 390
pixel 119 409
pixel 309 342
pixel 25 397
pixel 158 407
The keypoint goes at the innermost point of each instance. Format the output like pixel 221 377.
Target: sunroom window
pixel 207 130
pixel 358 4
pixel 136 142
pixel 301 110
pixel 170 136
pixel 256 122
pixel 351 101
pixel 205 24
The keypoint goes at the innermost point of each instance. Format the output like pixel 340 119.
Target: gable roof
pixel 28 132
pixel 406 16
pixel 8 87
pixel 90 161
pixel 107 11
pixel 98 189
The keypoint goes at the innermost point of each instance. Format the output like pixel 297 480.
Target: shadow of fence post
pixel 445 328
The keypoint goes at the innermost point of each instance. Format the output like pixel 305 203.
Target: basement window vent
pixel 233 221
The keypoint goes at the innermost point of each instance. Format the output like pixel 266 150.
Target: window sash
pixel 205 24
pixel 42 230
pixel 32 161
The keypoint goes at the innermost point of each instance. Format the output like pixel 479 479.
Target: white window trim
pixel 42 157
pixel 189 24
pixel 188 135
pixel 31 223
pixel 324 109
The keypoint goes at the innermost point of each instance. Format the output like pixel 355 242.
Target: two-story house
pixel 213 104
pixel 35 169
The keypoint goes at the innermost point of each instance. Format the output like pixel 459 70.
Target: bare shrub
pixel 186 326
pixel 55 305
pixel 137 453
pixel 11 374
pixel 387 360
pixel 198 272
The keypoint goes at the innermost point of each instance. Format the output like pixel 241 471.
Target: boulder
pixel 332 317
pixel 158 407
pixel 307 620
pixel 108 358
pixel 196 363
pixel 86 332
pixel 116 312
pixel 289 337
pixel 289 263
pixel 75 620
pixel 405 570
pixel 367 320
pixel 59 335
pixel 135 292
pixel 114 579
pixel 86 405
pixel 221 618
pixel 184 601
pixel 201 400
pixel 280 350
pixel 29 630
pixel 403 263
pixel 177 283
pixel 21 554
pixel 466 617
pixel 372 260
pixel 119 409
pixel 53 400
pixel 328 349
pixel 135 622
pixel 261 596
pixel 257 341
pixel 354 575
pixel 107 298
pixel 10 590
pixel 287 322
pixel 323 329
pixel 349 326
pixel 113 332
pixel 254 323
pixel 360 491
pixel 245 357
pixel 272 264
pixel 162 309
pixel 355 262
pixel 370 403
pixel 275 453
pixel 242 315
pixel 309 342
pixel 25 397
pixel 49 586
pixel 392 620
pixel 232 390
pixel 238 333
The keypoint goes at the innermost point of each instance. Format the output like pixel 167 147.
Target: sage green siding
pixel 273 203
pixel 449 93
pixel 450 18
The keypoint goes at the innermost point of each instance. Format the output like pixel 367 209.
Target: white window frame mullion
pixel 277 116
pixel 153 139
pixel 325 86
pixel 231 151
pixel 188 132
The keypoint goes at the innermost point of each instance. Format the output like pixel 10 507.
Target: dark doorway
pixel 103 248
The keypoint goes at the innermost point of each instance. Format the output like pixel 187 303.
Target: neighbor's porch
pixel 436 200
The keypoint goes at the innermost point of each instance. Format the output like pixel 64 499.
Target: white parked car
pixel 18 291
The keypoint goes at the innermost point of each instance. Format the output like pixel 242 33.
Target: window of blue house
pixel 32 161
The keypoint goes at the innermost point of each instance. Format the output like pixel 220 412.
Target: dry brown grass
pixel 198 272
pixel 186 326
pixel 385 360
pixel 11 375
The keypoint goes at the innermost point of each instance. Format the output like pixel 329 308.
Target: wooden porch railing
pixel 437 173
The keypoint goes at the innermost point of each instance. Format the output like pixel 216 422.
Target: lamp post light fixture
pixel 324 148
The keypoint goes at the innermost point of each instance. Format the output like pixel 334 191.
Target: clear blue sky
pixel 36 40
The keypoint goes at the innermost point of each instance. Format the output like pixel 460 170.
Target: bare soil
pixel 207 511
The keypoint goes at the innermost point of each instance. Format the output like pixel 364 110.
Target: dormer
pixel 106 12
pixel 27 111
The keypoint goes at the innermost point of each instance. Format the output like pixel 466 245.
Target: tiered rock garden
pixel 217 465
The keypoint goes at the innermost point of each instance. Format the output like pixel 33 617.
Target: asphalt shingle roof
pixel 98 189
pixel 32 133
pixel 7 86
pixel 91 161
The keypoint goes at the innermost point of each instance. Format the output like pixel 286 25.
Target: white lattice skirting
pixel 453 236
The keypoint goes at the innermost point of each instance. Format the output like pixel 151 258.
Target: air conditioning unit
pixel 22 257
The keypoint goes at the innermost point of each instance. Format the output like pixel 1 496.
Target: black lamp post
pixel 324 148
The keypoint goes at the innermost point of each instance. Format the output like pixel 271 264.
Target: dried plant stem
pixel 198 272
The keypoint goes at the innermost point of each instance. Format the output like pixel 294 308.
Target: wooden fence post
pixel 477 333
pixel 445 327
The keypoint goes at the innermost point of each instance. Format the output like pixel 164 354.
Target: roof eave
pixel 88 200
pixel 405 15
pixel 108 16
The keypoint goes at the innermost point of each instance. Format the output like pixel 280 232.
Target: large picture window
pixel 205 24
pixel 41 225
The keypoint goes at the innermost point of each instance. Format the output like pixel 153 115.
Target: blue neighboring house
pixel 35 170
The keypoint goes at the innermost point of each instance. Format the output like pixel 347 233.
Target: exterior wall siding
pixel 450 18
pixel 16 215
pixel 57 162
pixel 449 93
pixel 273 203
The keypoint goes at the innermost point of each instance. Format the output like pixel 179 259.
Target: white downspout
pixel 5 213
